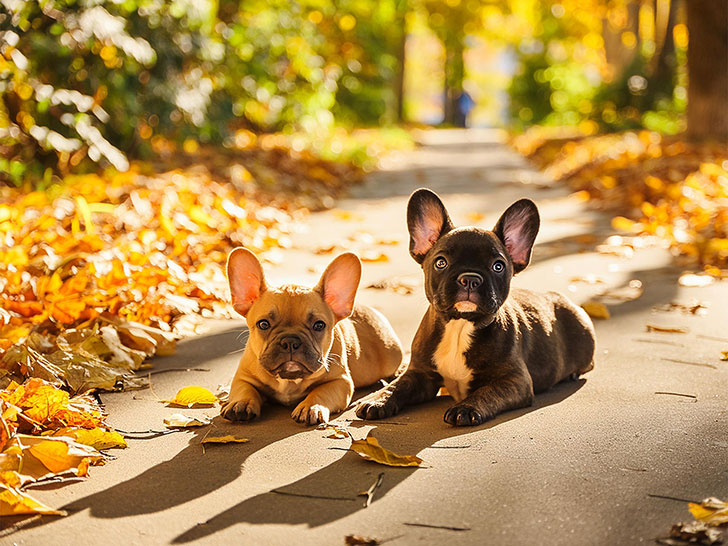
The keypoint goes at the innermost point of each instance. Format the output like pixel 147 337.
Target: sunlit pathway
pixel 577 468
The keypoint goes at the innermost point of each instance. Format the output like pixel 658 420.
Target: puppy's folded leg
pixel 321 402
pixel 412 387
pixel 498 395
pixel 244 404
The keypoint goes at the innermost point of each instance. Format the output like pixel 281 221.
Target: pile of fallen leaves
pixel 661 185
pixel 102 271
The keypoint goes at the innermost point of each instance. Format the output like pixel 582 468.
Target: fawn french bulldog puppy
pixel 307 346
pixel 492 350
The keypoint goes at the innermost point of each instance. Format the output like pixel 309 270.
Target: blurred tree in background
pixel 101 81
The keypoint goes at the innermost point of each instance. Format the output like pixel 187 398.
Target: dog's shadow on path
pixel 331 492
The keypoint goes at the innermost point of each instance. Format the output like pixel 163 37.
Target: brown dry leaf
pixel 179 420
pixel 189 397
pixel 14 502
pixel 596 310
pixel 229 439
pixel 370 449
pixel 337 432
pixel 667 329
pixel 712 511
pixel 588 279
pixel 682 534
pixel 373 256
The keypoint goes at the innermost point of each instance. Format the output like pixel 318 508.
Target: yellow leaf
pixel 14 502
pixel 596 310
pixel 373 256
pixel 370 449
pixel 97 438
pixel 62 454
pixel 178 420
pixel 475 217
pixel 347 215
pixel 620 223
pixel 666 329
pixel 724 356
pixel 193 396
pixel 712 511
pixel 229 439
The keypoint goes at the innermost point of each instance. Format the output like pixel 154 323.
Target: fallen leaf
pixel 97 438
pixel 596 310
pixel 395 285
pixel 475 217
pixel 179 420
pixel 370 449
pixel 667 329
pixel 373 256
pixel 724 356
pixel 691 533
pixel 337 432
pixel 229 439
pixel 347 215
pixel 357 540
pixel 14 503
pixel 192 396
pixel 712 511
pixel 330 249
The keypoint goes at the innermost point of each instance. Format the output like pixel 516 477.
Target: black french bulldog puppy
pixel 492 350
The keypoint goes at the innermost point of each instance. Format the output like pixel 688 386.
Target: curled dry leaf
pixel 596 310
pixel 229 439
pixel 370 449
pixel 724 356
pixel 14 503
pixel 337 432
pixel 667 329
pixel 97 438
pixel 189 397
pixel 682 534
pixel 712 511
pixel 179 420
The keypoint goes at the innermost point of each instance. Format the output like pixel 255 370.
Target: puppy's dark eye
pixel 263 324
pixel 499 266
pixel 319 325
pixel 440 263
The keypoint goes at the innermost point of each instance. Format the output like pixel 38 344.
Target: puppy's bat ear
pixel 427 221
pixel 245 276
pixel 517 229
pixel 338 284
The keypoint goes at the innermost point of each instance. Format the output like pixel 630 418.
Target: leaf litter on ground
pixel 370 449
pixel 190 397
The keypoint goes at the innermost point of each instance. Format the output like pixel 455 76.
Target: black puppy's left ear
pixel 427 221
pixel 517 228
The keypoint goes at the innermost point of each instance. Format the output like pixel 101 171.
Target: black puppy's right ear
pixel 427 221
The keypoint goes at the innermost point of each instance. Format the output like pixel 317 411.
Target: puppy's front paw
pixel 241 410
pixel 379 407
pixel 311 414
pixel 463 415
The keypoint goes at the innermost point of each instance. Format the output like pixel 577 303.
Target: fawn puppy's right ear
pixel 245 276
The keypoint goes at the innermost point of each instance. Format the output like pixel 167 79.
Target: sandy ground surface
pixel 579 467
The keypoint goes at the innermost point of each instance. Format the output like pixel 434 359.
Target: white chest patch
pixel 290 391
pixel 450 357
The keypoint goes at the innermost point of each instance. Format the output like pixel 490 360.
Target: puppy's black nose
pixel 290 343
pixel 469 280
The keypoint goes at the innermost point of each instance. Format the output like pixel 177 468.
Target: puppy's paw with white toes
pixel 311 414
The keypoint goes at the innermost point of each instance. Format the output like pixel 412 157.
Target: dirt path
pixel 576 468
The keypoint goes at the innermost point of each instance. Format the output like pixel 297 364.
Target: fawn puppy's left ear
pixel 517 229
pixel 339 282
pixel 246 279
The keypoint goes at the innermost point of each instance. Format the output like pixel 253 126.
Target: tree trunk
pixel 454 76
pixel 664 62
pixel 707 110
